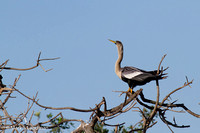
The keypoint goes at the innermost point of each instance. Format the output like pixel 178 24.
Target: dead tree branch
pixel 30 68
pixel 99 113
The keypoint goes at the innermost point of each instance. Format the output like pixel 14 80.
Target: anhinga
pixel 131 75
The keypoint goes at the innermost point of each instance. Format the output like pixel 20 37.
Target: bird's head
pixel 116 42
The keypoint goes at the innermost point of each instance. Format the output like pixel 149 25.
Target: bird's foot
pixel 130 90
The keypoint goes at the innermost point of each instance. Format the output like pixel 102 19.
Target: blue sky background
pixel 78 32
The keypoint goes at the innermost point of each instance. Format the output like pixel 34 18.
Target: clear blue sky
pixel 78 32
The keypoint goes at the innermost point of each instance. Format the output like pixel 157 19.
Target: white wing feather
pixel 131 75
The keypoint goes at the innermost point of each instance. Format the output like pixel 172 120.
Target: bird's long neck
pixel 119 60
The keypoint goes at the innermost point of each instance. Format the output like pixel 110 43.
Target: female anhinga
pixel 131 75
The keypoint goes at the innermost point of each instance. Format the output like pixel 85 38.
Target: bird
pixel 131 75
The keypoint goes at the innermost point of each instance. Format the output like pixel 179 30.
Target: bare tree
pixel 99 113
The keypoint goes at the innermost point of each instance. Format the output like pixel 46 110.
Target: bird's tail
pixel 160 74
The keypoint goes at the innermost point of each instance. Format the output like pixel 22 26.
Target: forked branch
pixel 30 68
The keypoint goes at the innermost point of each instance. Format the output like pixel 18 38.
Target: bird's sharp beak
pixel 112 41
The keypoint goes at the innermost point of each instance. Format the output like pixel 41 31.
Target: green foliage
pixel 37 114
pixel 100 128
pixel 49 115
pixel 146 113
pixel 57 121
pixel 123 129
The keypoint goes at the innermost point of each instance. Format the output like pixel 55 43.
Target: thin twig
pixel 30 68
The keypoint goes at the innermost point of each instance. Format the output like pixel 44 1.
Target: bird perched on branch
pixel 131 75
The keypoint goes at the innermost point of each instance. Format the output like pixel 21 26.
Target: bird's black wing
pixel 138 75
